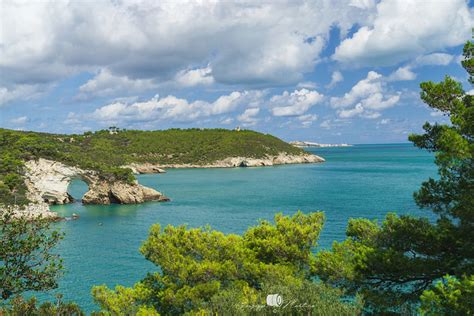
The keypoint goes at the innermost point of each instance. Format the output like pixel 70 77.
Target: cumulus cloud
pixel 362 89
pixel 173 108
pixel 105 83
pixel 438 59
pixel 358 109
pixel 133 47
pixel 242 42
pixel 366 97
pixel 402 74
pixel 249 116
pixel 307 119
pixel 295 103
pixel 224 109
pixel 405 29
pixel 194 77
pixel 326 124
pixel 21 92
pixel 406 73
pixel 336 77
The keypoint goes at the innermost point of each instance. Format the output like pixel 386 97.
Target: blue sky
pixel 325 71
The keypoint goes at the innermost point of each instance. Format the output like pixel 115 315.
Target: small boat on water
pixel 74 216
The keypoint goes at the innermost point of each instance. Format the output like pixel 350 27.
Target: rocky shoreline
pixel 47 182
pixel 231 162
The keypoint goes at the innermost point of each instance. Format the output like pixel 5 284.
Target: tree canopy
pixel 392 264
pixel 206 271
pixel 27 260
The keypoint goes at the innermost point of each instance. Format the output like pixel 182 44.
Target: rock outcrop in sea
pixel 103 192
pixel 47 182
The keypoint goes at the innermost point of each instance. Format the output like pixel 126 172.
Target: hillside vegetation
pixel 107 150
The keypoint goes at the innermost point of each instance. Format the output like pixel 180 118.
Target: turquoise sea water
pixel 361 181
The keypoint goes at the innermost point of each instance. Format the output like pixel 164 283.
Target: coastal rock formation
pixel 232 162
pixel 301 144
pixel 48 181
pixel 144 168
pixel 281 159
pixel 32 211
pixel 122 193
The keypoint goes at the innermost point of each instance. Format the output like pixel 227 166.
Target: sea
pixel 101 247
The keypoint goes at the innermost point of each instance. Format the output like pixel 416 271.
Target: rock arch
pixel 48 181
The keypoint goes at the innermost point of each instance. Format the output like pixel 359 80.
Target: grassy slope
pixel 105 152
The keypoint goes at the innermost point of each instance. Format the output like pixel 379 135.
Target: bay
pixel 360 181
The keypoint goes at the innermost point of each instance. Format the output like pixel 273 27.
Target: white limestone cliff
pixel 47 182
pixel 231 162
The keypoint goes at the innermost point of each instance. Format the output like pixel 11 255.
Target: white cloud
pixel 402 74
pixel 253 44
pixel 127 111
pixel 249 116
pixel 362 89
pixel 134 47
pixel 307 119
pixel 227 121
pixel 173 108
pixel 295 103
pixel 19 120
pixel 367 96
pixel 377 101
pixel 404 29
pixel 371 115
pixel 194 77
pixel 105 83
pixel 384 121
pixel 336 77
pixel 358 109
pixel 439 59
pixel 21 92
pixel 362 4
pixel 326 124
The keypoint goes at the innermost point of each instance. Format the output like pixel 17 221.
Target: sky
pixel 343 71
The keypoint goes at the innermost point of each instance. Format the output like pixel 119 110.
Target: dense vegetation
pixel 394 263
pixel 204 271
pixel 27 262
pixel 18 306
pixel 107 150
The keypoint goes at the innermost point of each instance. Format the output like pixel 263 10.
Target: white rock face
pixel 32 211
pixel 48 180
pixel 140 168
pixel 121 193
pixel 232 162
